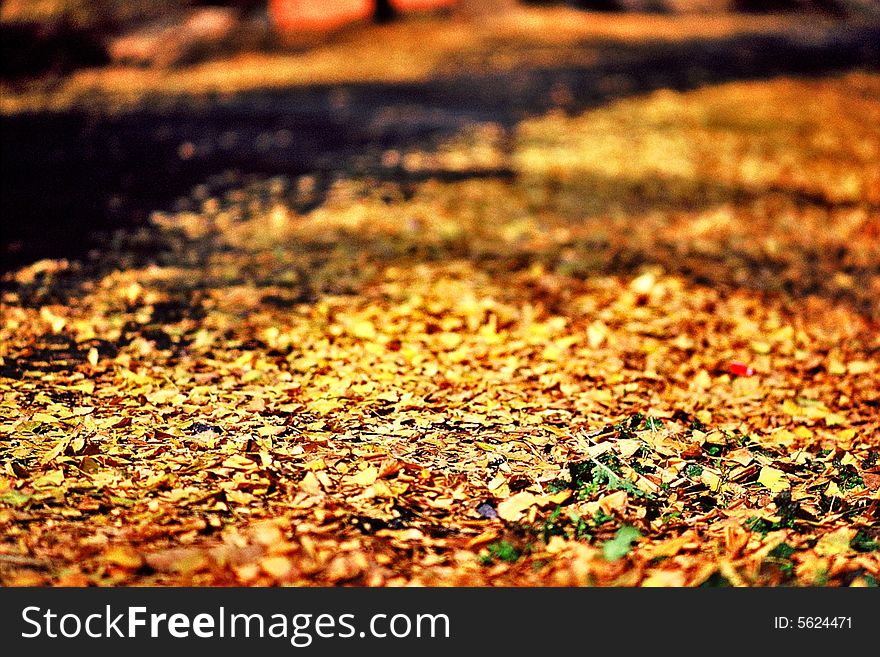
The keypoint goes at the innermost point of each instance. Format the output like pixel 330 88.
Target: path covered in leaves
pixel 650 358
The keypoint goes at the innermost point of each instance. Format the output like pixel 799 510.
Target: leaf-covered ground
pixel 651 358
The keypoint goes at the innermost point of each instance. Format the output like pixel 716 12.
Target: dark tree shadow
pixel 68 176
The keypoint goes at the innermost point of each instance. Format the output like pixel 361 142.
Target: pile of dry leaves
pixel 650 359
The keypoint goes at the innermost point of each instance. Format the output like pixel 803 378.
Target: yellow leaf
pixel 310 484
pixel 268 534
pixel 239 497
pixel 44 418
pixel 712 480
pixel 836 367
pixel 53 478
pixel 628 446
pixel 782 437
pixel 277 566
pixel 323 406
pixel 363 329
pixel 835 543
pixel 704 416
pixel 496 482
pixel 701 380
pixel 239 462
pixel 643 284
pixel 615 501
pixel 670 547
pixel 742 456
pixel 860 367
pixel 834 418
pixel 77 443
pixel 760 347
pixel 665 579
pixel 789 407
pixel 325 480
pixel 513 508
pixel 56 451
pixel 773 479
pixel 556 544
pixel 57 323
pixel 379 488
pixel 124 556
pixel 365 477
pixel 245 359
pixel 93 357
pixel 833 490
pixel 390 396
pixel 87 387
pixel 557 498
pixel 597 333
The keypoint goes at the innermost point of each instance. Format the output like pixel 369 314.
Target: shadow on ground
pixel 69 176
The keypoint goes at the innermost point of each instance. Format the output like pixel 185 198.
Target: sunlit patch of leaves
pixel 470 374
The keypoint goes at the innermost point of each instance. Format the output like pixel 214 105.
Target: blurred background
pixel 58 35
pixel 113 110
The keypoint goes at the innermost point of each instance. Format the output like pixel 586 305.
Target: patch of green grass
pixel 556 485
pixel 780 556
pixel 502 551
pixel 696 425
pixel 570 525
pixel 713 450
pixel 619 546
pixel 788 510
pixel 608 472
pixel 552 526
pixel 581 474
pixel 628 427
pixel 764 527
pixel 862 542
pixel 848 476
pixel 587 491
pixel 581 528
pixel 588 476
pixel 716 580
pixel 693 470
pixel 782 551
pixel 642 469
pixel 758 525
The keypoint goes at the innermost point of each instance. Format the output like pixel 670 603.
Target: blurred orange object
pixel 315 15
pixel 422 5
pixel 740 369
